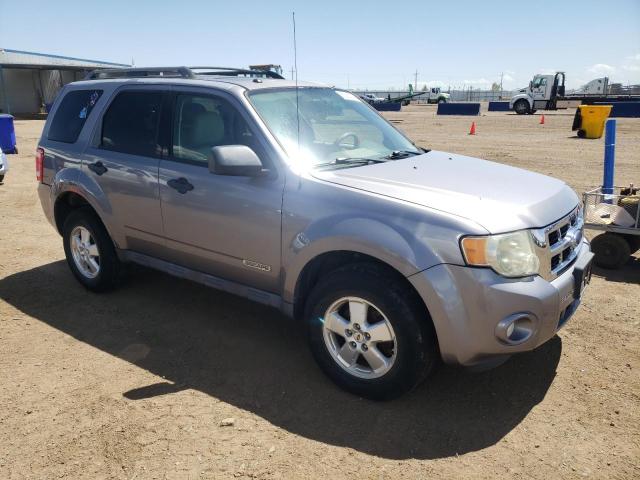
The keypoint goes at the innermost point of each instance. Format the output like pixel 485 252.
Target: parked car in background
pixel 4 165
pixel 303 198
pixel 371 98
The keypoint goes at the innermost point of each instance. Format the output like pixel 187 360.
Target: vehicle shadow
pixel 256 359
pixel 628 273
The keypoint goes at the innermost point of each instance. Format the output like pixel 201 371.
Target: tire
pixel 634 243
pixel 408 358
pixel 109 268
pixel 611 250
pixel 442 100
pixel 582 133
pixel 1 178
pixel 521 107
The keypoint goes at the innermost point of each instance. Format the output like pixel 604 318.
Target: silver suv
pixel 302 197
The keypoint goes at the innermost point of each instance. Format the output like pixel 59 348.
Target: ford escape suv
pixel 303 198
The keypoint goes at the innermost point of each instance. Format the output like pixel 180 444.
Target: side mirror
pixel 237 160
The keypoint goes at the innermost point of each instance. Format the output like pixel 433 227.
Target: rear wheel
pixel 611 250
pixel 90 252
pixel 521 107
pixel 368 335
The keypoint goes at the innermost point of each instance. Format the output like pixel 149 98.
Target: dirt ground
pixel 135 384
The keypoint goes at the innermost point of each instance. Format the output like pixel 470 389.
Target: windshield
pixel 334 125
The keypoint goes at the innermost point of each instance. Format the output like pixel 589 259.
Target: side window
pixel 74 109
pixel 201 122
pixel 130 125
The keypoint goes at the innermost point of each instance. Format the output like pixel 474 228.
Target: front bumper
pixel 467 304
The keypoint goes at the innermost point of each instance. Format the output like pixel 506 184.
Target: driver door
pixel 540 89
pixel 227 226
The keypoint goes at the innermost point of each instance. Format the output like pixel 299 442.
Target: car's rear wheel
pixel 90 252
pixel 369 335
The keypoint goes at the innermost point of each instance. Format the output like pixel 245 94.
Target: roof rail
pixel 236 72
pixel 171 72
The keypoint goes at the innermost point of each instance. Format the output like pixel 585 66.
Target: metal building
pixel 29 82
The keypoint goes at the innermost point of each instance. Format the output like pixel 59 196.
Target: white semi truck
pixel 547 92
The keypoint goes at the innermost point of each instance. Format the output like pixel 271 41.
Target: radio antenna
pixel 295 66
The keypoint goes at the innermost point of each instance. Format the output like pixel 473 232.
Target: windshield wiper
pixel 402 154
pixel 351 161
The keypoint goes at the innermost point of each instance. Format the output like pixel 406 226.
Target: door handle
pixel 98 168
pixel 181 184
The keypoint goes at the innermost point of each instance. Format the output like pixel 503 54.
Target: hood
pixel 498 197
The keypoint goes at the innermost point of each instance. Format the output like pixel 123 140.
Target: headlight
pixel 509 254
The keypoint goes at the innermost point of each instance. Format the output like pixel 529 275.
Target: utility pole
pixel 501 76
pixel 291 73
pixel 415 85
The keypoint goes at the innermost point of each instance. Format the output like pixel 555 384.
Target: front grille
pixel 559 244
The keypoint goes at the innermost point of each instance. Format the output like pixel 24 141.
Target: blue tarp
pixel 387 106
pixel 458 109
pixel 623 109
pixel 499 106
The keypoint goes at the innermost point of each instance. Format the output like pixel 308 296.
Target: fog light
pixel 516 328
pixel 510 329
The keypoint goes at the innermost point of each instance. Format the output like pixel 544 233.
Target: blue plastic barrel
pixel 7 133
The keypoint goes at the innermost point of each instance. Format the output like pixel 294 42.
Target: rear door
pixel 123 160
pixel 223 225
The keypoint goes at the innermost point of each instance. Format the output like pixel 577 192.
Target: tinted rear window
pixel 130 125
pixel 75 108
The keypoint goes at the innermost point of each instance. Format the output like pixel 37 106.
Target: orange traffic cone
pixel 472 131
pixel 542 119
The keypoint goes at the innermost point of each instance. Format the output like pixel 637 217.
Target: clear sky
pixel 357 44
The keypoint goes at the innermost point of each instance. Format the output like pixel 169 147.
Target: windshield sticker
pixel 93 99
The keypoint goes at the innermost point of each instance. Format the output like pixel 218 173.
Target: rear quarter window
pixel 71 115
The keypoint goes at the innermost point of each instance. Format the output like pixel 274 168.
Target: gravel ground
pixel 167 379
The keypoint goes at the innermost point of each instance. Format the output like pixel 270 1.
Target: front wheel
pixel 371 337
pixel 521 107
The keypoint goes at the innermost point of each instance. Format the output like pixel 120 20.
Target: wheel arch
pixel 70 200
pixel 72 188
pixel 329 261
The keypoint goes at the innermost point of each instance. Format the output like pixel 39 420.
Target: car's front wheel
pixel 90 252
pixel 369 333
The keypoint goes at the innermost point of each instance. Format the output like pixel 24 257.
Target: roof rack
pixel 236 72
pixel 180 72
pixel 170 72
